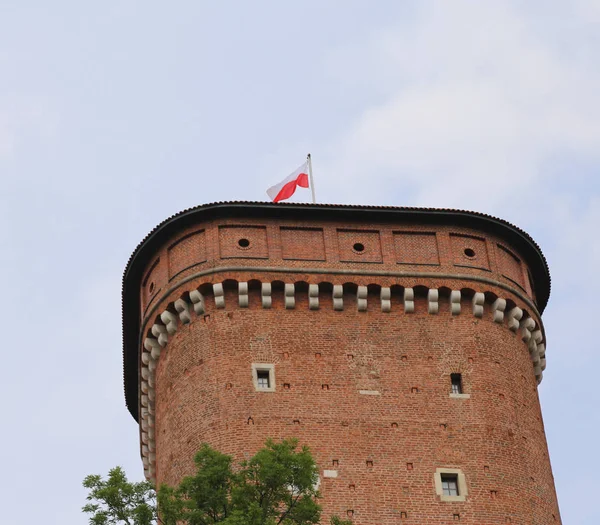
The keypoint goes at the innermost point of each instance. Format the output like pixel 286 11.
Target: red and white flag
pixel 286 188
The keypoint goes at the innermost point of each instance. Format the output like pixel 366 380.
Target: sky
pixel 114 115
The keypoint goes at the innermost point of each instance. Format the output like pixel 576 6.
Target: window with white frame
pixel 450 484
pixel 263 377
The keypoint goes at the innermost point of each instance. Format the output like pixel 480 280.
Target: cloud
pixel 475 104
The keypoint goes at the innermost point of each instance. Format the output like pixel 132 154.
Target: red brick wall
pixel 323 358
pixel 388 248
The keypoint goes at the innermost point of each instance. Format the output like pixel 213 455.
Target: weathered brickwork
pixel 363 325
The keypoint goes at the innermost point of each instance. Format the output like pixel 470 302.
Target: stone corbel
pixel 478 302
pixel 338 297
pixel 313 296
pixel 289 292
pixel 243 294
pixel 455 297
pixel 514 316
pixel 498 307
pixel 183 309
pixel 265 293
pixel 433 296
pixel 386 299
pixel 219 295
pixel 409 300
pixel 361 298
pixel 198 301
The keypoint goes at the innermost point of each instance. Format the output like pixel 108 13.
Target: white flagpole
pixel 312 182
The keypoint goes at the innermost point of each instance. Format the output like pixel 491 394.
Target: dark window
pixel 456 381
pixel 263 379
pixel 450 484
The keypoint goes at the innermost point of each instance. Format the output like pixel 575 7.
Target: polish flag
pixel 286 188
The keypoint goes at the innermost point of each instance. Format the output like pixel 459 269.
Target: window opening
pixel 456 381
pixel 450 484
pixel 263 379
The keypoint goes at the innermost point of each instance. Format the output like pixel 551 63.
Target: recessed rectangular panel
pixel 510 265
pixel 187 252
pixel 416 248
pixel 469 251
pixel 361 246
pixel 152 282
pixel 304 244
pixel 246 242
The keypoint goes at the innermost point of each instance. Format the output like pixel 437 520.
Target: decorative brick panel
pixel 416 248
pixel 302 244
pixel 469 251
pixel 187 252
pixel 350 243
pixel 244 242
pixel 510 265
pixel 153 282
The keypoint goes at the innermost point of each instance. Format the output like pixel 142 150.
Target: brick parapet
pixel 406 248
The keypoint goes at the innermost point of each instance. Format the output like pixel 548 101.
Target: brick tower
pixel 403 345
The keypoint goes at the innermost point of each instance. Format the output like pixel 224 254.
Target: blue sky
pixel 115 115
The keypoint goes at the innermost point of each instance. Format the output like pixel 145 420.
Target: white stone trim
pixel 514 316
pixel 361 298
pixel 160 332
pixel 478 302
pixel 338 297
pixel 409 300
pixel 170 321
pixel 527 326
pixel 461 484
pixel 370 392
pixel 265 294
pixel 433 296
pixel 198 301
pixel 313 296
pixel 261 367
pixel 498 307
pixel 219 294
pixel 386 299
pixel 183 309
pixel 290 296
pixel 459 396
pixel 455 297
pixel 243 294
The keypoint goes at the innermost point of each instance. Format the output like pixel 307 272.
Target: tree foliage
pixel 278 486
pixel 119 501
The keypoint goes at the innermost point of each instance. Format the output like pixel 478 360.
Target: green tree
pixel 119 501
pixel 276 487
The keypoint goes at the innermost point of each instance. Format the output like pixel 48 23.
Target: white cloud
pixel 476 103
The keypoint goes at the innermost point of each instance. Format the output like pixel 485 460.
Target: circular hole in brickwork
pixel 243 243
pixel 151 287
pixel 358 247
pixel 469 252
